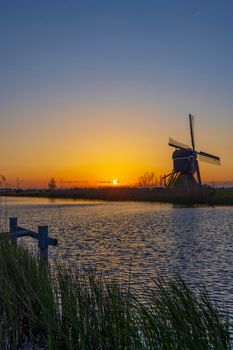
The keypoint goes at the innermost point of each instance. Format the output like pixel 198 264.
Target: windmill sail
pixel 177 144
pixel 209 158
pixel 191 125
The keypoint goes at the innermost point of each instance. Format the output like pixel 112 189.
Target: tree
pixel 2 180
pixel 52 184
pixel 148 179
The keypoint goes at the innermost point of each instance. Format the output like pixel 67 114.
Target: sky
pixel 91 90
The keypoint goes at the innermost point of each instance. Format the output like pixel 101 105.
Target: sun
pixel 115 182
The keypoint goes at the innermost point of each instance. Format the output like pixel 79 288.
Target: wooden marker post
pixel 13 230
pixel 43 242
pixel 42 236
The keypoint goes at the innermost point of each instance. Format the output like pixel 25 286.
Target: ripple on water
pixel 142 239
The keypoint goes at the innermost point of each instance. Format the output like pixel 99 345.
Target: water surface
pixel 135 237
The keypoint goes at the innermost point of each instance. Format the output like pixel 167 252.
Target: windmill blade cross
pixel 177 144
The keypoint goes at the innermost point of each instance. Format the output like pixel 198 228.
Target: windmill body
pixel 186 172
pixel 184 161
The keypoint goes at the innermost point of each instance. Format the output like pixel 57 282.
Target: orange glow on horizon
pixel 81 146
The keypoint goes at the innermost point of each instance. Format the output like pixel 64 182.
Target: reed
pixel 42 308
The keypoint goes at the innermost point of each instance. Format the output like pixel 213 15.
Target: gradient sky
pixel 91 90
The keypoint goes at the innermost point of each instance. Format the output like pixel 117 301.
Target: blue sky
pixel 84 42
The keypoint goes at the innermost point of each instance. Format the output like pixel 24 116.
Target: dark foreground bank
pixel 207 196
pixel 56 309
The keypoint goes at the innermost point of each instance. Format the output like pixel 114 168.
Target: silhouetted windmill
pixel 186 171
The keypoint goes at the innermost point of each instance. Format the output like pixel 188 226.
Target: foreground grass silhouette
pixel 59 309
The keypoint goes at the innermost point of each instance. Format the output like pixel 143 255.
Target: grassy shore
pixel 224 196
pixel 209 196
pixel 56 309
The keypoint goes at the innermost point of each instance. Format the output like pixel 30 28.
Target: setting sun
pixel 115 182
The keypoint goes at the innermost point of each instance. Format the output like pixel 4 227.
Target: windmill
pixel 186 171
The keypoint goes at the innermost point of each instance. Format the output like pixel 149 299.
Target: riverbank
pixel 43 308
pixel 207 196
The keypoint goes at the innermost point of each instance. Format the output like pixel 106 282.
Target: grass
pixel 57 309
pixel 223 196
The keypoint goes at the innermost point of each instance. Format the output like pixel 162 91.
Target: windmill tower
pixel 186 171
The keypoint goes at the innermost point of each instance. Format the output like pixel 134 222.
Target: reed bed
pixel 42 308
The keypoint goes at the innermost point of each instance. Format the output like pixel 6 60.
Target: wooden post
pixel 42 236
pixel 43 242
pixel 13 230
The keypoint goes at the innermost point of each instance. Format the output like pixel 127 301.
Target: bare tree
pixel 148 179
pixel 2 180
pixel 52 184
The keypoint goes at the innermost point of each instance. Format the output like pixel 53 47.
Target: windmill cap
pixel 182 153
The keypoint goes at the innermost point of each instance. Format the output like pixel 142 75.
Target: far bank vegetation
pixel 148 179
